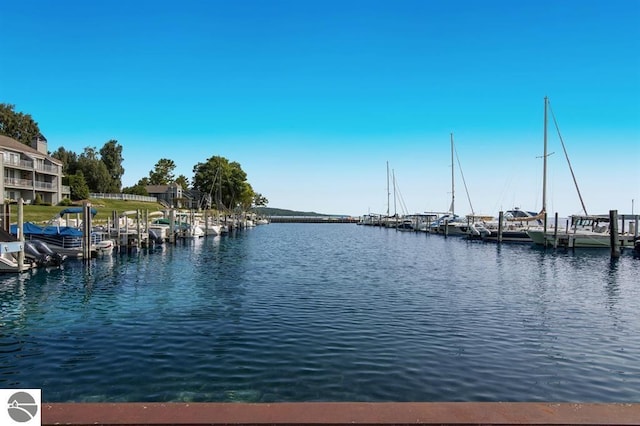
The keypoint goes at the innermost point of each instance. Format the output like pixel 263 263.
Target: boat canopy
pixel 30 228
pixel 77 210
pixel 518 215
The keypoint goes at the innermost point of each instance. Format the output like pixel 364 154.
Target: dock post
pixel 500 219
pixel 86 230
pixel 544 229
pixel 172 226
pixel 6 216
pixel 139 228
pixel 20 234
pixel 555 232
pixel 613 233
pixel 116 228
pixel 146 228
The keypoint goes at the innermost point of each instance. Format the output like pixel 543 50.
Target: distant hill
pixel 270 211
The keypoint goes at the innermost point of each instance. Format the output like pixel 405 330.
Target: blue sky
pixel 313 98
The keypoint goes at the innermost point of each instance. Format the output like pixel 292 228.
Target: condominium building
pixel 28 171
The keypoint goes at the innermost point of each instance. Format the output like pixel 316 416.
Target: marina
pixel 326 312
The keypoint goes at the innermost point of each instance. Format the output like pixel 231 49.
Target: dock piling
pixel 6 216
pixel 86 230
pixel 21 266
pixel 555 231
pixel 613 234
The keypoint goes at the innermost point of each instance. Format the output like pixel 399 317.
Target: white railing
pixel 129 197
pixel 45 185
pixel 18 163
pixel 23 183
pixel 47 168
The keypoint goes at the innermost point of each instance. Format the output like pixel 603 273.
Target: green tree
pixel 69 160
pixel 182 181
pixel 94 170
pixel 259 200
pixel 78 186
pixel 162 173
pixel 17 125
pixel 136 189
pixel 143 182
pixel 225 180
pixel 111 156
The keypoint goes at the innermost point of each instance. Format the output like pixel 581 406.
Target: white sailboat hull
pixel 578 239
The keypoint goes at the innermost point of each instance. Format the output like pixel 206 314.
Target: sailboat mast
pixel 388 193
pixel 544 159
pixel 395 211
pixel 453 194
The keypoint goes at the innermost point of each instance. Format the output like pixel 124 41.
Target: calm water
pixel 292 312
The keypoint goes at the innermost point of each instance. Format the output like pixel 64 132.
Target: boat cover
pixel 30 228
pixel 77 210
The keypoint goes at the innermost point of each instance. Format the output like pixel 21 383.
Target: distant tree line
pixel 222 181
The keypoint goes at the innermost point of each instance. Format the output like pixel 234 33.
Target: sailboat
pixel 585 231
pixel 449 223
pixel 517 223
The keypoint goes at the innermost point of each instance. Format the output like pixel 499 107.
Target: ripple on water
pixel 327 313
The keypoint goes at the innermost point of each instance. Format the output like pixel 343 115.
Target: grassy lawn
pixel 39 214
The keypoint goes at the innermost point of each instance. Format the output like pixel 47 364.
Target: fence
pixel 128 197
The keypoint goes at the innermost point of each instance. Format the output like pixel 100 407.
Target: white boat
pixel 9 257
pixel 450 223
pixel 9 263
pixel 517 223
pixel 586 231
pixel 104 247
pixel 416 222
pixel 515 226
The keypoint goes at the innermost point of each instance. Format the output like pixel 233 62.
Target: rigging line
pixel 464 182
pixel 575 182
pixel 403 206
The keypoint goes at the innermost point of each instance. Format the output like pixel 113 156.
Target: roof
pixel 160 189
pixel 7 142
pixel 157 189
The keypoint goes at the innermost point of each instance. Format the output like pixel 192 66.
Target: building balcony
pixel 46 186
pixel 18 183
pixel 18 164
pixel 30 165
pixel 46 168
pixel 30 184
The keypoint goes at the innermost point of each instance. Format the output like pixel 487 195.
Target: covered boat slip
pixel 65 240
pixel 63 234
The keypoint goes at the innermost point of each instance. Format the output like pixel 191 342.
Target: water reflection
pixel 327 312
